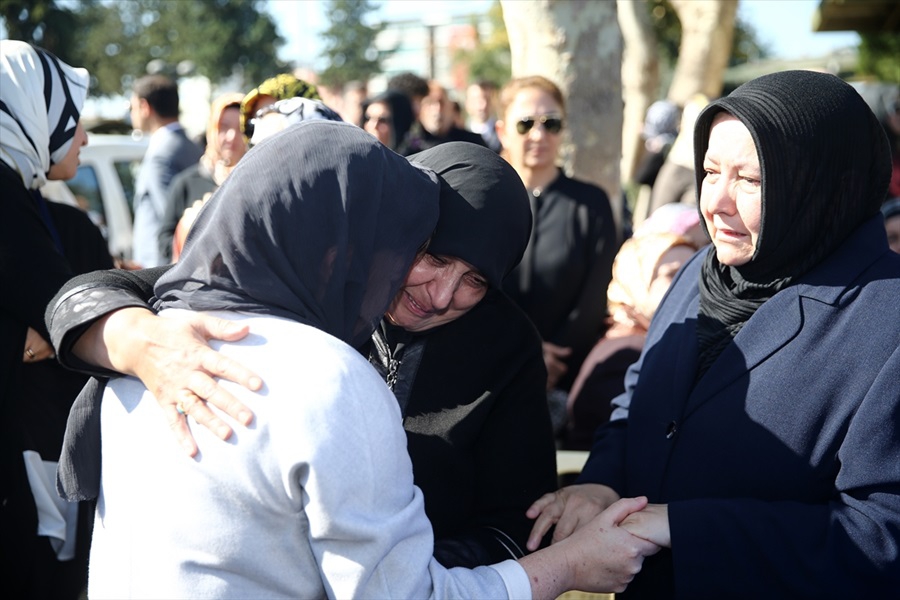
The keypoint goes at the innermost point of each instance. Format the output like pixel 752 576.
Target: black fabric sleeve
pixel 89 297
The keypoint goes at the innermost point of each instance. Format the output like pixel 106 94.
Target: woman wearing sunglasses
pixel 562 279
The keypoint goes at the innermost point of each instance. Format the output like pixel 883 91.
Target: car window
pixel 86 189
pixel 127 172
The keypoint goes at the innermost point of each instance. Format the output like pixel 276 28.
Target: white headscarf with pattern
pixel 41 99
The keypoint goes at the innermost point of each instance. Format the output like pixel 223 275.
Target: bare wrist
pixel 114 340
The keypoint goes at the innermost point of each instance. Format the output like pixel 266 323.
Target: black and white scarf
pixel 41 99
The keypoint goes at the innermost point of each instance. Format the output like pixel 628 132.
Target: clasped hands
pixel 623 531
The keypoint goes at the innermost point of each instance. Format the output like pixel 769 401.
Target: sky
pixel 784 25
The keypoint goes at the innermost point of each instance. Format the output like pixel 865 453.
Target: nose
pixel 719 197
pixel 442 289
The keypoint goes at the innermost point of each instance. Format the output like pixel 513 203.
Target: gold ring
pixel 180 408
pixel 29 352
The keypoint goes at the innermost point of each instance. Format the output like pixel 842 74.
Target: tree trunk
pixel 707 28
pixel 577 45
pixel 640 78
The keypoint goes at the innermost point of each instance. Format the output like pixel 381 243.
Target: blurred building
pixel 427 48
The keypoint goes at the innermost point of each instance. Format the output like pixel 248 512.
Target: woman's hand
pixel 568 508
pixel 36 348
pixel 173 359
pixel 651 524
pixel 600 557
pixel 554 359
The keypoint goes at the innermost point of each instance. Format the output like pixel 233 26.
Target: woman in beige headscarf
pixel 225 146
pixel 642 272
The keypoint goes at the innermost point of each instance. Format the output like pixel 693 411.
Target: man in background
pixel 154 110
pixel 438 121
pixel 481 109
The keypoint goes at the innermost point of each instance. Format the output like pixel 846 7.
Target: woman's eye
pixel 436 260
pixel 476 281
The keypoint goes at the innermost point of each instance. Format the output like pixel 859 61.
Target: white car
pixel 104 186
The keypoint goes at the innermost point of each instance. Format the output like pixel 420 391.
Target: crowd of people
pixel 360 337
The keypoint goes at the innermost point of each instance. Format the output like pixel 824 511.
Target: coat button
pixel 671 428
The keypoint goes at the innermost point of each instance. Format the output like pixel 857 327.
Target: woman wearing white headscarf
pixel 40 137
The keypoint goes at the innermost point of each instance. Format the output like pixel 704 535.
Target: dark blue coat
pixel 781 466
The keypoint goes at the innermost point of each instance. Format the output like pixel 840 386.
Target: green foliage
pixel 744 47
pixel 41 22
pixel 668 30
pixel 878 54
pixel 350 43
pixel 490 59
pixel 116 41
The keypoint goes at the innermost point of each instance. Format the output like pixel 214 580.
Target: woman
pixel 562 279
pixel 763 411
pixel 388 116
pixel 268 121
pixel 225 146
pixel 41 136
pixel 270 91
pixel 308 258
pixel 642 273
pixel 463 361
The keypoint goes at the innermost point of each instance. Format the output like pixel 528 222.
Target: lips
pixel 414 307
pixel 727 233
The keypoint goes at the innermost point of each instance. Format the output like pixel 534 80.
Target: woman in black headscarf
pixel 464 363
pixel 388 116
pixel 764 414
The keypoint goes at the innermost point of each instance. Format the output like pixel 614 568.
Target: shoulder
pixel 582 192
pixel 65 215
pixel 186 176
pixel 464 135
pixel 496 320
pixel 300 355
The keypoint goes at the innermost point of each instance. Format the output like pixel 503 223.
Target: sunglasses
pixel 550 124
pixel 378 120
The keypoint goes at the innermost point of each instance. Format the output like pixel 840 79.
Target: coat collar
pixel 780 318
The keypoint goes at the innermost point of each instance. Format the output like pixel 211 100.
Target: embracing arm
pixel 100 323
pixel 88 298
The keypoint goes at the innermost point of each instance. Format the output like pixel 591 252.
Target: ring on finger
pixel 180 408
pixel 29 352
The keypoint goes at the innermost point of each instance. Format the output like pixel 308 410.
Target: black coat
pixel 480 438
pixel 35 398
pixel 562 280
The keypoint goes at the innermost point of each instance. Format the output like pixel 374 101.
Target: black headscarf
pixel 485 214
pixel 825 167
pixel 319 224
pixel 401 114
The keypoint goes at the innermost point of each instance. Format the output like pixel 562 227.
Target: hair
pixel 486 84
pixel 410 84
pixel 514 86
pixel 436 88
pixel 160 92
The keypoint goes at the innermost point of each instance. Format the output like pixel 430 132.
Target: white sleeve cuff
pixel 515 579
